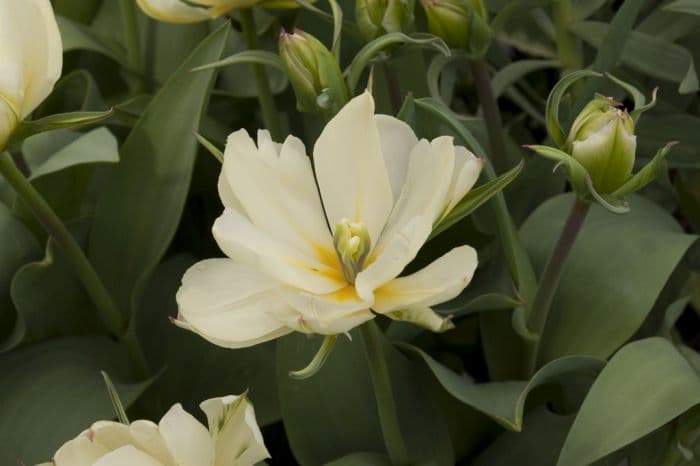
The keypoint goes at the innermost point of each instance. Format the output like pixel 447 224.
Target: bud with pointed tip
pixel 378 17
pixel 313 72
pixel 462 24
pixel 602 140
pixel 352 244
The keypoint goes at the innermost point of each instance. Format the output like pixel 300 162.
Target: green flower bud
pixel 602 140
pixel 352 244
pixel 378 17
pixel 462 24
pixel 314 73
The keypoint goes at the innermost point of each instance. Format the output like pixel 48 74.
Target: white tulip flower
pixel 31 58
pixel 381 191
pixel 233 439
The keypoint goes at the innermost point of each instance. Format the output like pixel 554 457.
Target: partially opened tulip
pixel 31 57
pixel 381 191
pixel 232 439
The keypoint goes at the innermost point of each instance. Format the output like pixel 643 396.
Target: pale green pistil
pixel 352 244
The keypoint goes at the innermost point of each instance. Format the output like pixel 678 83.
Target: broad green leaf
pixel 393 39
pixel 56 392
pixel 62 307
pixel 514 72
pixel 19 247
pixel 365 459
pixel 76 36
pixel 482 303
pixel 645 385
pixel 647 54
pixel 656 131
pixel 476 198
pixel 142 200
pixel 504 401
pixel 193 369
pixel 617 34
pixel 600 303
pixel 538 444
pixel 684 6
pixel 96 146
pixel 333 413
pixel 76 91
pixel 256 57
pixel 82 11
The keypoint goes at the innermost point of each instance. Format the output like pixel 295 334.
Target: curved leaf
pixel 645 385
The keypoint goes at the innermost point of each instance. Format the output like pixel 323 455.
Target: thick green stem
pixel 568 47
pixel 549 281
pixel 267 102
pixel 107 308
pixel 133 42
pixel 492 115
pixel 386 406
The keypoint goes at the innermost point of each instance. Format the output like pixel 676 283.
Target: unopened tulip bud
pixel 462 24
pixel 377 17
pixel 314 73
pixel 602 140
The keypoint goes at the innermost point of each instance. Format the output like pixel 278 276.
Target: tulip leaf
pixel 341 395
pixel 56 393
pixel 514 72
pixel 24 248
pixel 646 244
pixel 645 385
pixel 114 397
pixel 72 312
pixel 373 48
pixel 256 57
pixel 647 54
pixel 365 459
pixel 141 202
pixel 76 36
pixel 476 198
pixel 29 128
pixel 482 303
pixel 553 101
pixel 504 402
pixel 684 6
pixel 647 174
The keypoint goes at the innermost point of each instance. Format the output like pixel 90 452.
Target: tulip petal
pixel 129 455
pixel 173 11
pixel 350 168
pixel 274 184
pixel 401 248
pixel 30 39
pixel 148 438
pixel 80 451
pixel 438 282
pixel 230 304
pixel 425 189
pixel 110 434
pixel 237 437
pixel 466 173
pixel 398 140
pixel 239 239
pixel 327 314
pixel 188 441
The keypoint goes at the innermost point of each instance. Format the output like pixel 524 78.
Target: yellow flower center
pixel 352 244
